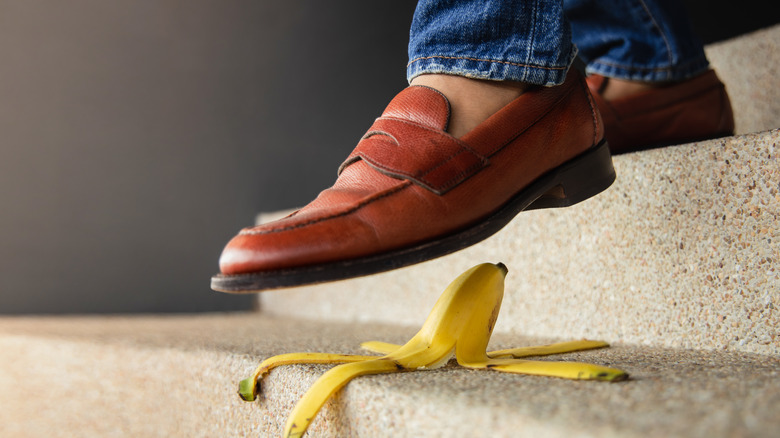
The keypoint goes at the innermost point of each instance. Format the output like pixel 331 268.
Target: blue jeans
pixel 533 41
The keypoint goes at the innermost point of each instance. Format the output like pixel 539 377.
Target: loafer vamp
pixel 408 182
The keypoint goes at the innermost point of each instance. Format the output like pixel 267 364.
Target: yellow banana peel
pixel 459 325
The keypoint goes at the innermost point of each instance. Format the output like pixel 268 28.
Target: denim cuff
pixel 490 69
pixel 507 40
pixel 680 72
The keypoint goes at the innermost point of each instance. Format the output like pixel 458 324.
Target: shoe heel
pixel 579 179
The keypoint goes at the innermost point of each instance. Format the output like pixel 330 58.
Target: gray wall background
pixel 138 136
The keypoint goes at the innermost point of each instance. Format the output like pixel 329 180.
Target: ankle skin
pixel 472 101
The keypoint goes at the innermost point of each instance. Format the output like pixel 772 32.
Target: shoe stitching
pixel 463 147
pixel 435 131
pixel 482 163
pixel 515 135
pixel 447 101
pixel 438 189
pixel 593 110
pixel 349 211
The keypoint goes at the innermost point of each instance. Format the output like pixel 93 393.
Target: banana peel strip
pixel 459 325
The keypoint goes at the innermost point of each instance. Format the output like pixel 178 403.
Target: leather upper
pixel 425 155
pixel 691 110
pixel 409 181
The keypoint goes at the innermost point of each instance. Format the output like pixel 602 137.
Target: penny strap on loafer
pixel 427 156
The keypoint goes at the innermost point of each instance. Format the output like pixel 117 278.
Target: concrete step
pixel 682 251
pixel 163 376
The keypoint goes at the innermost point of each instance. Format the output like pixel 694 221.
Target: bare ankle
pixel 472 101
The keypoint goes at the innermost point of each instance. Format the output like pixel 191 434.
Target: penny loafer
pixel 692 110
pixel 410 192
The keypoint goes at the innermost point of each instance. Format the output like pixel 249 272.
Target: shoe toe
pixel 292 243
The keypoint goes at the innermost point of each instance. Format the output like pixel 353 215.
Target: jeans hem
pixel 489 69
pixel 649 74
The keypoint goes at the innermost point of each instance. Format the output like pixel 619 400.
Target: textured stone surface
pixel 682 251
pixel 176 376
pixel 748 66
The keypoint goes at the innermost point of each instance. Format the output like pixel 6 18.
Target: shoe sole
pixel 574 181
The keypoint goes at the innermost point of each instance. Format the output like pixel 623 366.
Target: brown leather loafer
pixel 693 110
pixel 410 192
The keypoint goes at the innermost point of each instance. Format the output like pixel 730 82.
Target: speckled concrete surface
pixel 682 251
pixel 155 376
pixel 748 66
